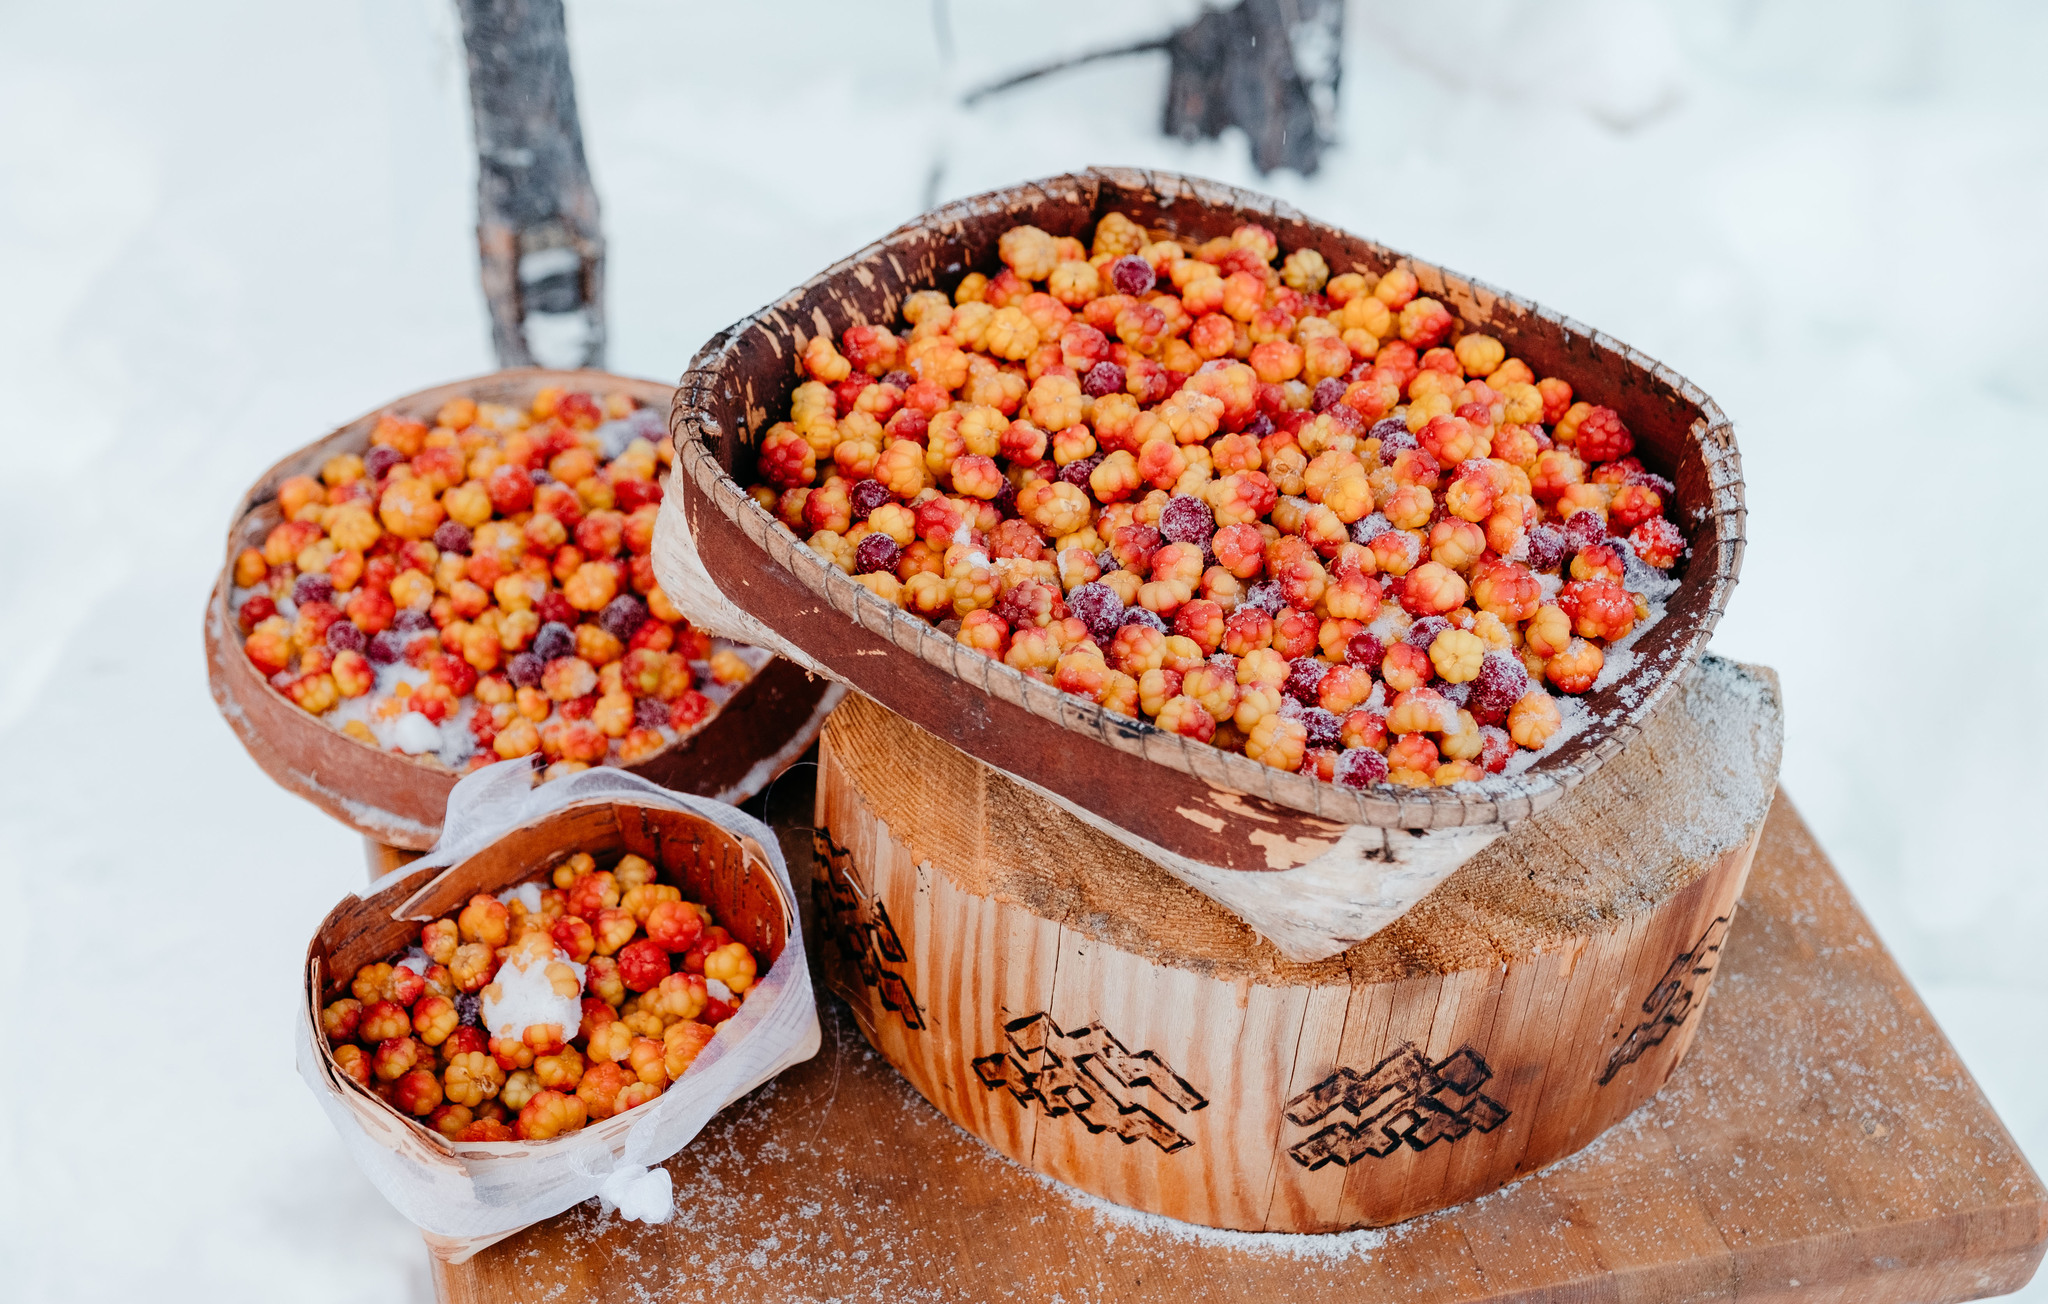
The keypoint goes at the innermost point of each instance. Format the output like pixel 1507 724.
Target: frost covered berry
pixel 1424 632
pixel 1360 767
pixel 1547 547
pixel 1304 679
pixel 312 588
pixel 1099 608
pixel 1132 275
pixel 346 636
pixel 623 616
pixel 1185 519
pixel 453 536
pixel 1501 681
pixel 866 496
pixel 524 670
pixel 1365 649
pixel 555 640
pixel 1584 530
pixel 1104 378
pixel 876 553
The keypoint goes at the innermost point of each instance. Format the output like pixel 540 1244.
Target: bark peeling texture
pixel 1268 66
pixel 538 234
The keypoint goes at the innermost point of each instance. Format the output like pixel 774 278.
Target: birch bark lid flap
pixel 734 568
pixel 399 799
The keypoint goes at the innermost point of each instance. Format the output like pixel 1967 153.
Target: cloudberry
pixel 1277 742
pixel 1574 669
pixel 1598 608
pixel 1657 542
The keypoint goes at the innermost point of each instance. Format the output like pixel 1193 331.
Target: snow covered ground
pixel 225 227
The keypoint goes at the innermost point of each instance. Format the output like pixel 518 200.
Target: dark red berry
pixel 313 588
pixel 1102 379
pixel 1424 631
pixel 650 713
pixel 876 552
pixel 1324 728
pixel 555 608
pixel 525 671
pixel 1393 436
pixel 555 640
pixel 386 648
pixel 1584 530
pixel 377 463
pixel 1546 547
pixel 469 1009
pixel 1005 501
pixel 1077 473
pixel 1099 608
pixel 1366 650
pixel 1141 616
pixel 540 476
pixel 1369 527
pixel 1501 683
pixel 900 379
pixel 1132 275
pixel 1360 767
pixel 1304 677
pixel 1259 426
pixel 346 636
pixel 412 622
pixel 453 536
pixel 1329 394
pixel 1265 595
pixel 866 496
pixel 623 616
pixel 1187 519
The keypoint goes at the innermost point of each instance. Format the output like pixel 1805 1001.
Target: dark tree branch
pixel 537 231
pixel 1061 65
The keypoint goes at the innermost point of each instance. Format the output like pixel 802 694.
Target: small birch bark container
pixel 466 1195
pixel 398 800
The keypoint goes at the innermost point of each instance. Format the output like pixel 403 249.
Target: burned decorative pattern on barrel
pixel 1671 1001
pixel 859 925
pixel 1089 1074
pixel 1403 1099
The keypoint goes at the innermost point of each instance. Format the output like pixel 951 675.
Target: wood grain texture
pixel 1066 744
pixel 1087 1015
pixel 399 800
pixel 1821 1142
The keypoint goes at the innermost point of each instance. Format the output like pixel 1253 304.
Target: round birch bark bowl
pixel 397 799
pixel 730 874
pixel 1184 797
pixel 1087 1015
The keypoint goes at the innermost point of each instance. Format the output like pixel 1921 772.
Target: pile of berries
pixel 533 1012
pixel 481 589
pixel 1304 517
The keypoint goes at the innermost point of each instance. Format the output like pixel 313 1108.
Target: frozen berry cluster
pixel 530 1013
pixel 481 589
pixel 1307 517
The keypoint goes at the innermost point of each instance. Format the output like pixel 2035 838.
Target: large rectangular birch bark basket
pixel 736 570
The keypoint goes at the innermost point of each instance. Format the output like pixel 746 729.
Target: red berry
pixel 1304 678
pixel 555 608
pixel 1104 378
pixel 1360 767
pixel 1547 547
pixel 1132 275
pixel 1099 608
pixel 255 611
pixel 876 552
pixel 1186 519
pixel 866 496
pixel 643 965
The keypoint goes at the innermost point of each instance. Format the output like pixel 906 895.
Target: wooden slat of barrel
pixel 1820 1142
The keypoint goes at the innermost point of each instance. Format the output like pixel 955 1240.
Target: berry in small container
pixel 465 576
pixel 481 1109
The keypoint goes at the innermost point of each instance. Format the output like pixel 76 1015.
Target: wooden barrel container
pixel 1182 796
pixel 1087 1015
pixel 398 800
pixel 728 873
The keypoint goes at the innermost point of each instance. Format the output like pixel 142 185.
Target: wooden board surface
pixel 1820 1143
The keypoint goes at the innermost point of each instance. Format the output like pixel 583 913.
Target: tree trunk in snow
pixel 1268 66
pixel 537 228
